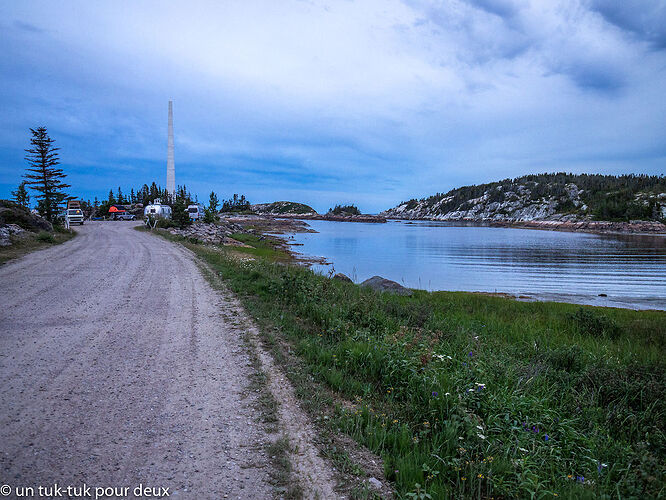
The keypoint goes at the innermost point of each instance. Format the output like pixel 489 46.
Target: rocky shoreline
pixel 599 227
pixel 633 227
pixel 335 218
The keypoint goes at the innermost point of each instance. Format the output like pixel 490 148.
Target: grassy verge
pixel 31 242
pixel 469 396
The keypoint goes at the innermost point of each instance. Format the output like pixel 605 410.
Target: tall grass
pixel 470 396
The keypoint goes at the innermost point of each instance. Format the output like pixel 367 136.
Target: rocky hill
pixel 283 208
pixel 546 197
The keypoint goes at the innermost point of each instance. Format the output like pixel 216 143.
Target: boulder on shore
pixel 383 285
pixel 342 277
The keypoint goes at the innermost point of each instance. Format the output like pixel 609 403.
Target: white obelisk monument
pixel 171 168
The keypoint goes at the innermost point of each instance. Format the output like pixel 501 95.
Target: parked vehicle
pixel 196 211
pixel 123 216
pixel 74 216
pixel 157 210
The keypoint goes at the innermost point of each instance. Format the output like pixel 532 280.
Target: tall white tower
pixel 171 168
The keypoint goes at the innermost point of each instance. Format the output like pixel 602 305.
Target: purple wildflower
pixel 547 437
pixel 434 394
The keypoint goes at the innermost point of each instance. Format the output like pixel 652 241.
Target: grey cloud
pixel 27 27
pixel 503 8
pixel 593 75
pixel 646 19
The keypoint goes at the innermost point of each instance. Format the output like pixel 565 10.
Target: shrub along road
pixel 121 366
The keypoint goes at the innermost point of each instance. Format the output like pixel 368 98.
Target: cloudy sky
pixel 371 102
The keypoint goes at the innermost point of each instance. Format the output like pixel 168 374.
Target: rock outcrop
pixel 380 284
pixel 7 231
pixel 13 213
pixel 555 198
pixel 216 234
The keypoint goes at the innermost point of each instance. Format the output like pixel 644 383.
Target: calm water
pixel 548 265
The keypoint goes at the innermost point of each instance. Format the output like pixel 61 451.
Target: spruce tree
pixel 213 202
pixel 21 196
pixel 44 176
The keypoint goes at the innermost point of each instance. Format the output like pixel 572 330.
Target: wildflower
pixel 569 476
pixel 481 436
pixel 447 394
pixel 464 478
pixel 471 354
pixel 395 421
pixel 479 427
pixel 480 476
pixel 434 394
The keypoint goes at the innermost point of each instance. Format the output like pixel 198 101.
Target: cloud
pixel 382 99
pixel 646 19
pixel 21 25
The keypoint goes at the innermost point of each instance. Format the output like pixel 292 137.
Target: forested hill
pixel 560 196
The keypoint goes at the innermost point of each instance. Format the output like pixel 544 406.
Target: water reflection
pixel 577 267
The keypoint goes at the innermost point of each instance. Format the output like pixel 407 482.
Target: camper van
pixel 196 211
pixel 157 210
pixel 74 214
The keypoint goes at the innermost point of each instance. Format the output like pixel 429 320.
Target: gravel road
pixel 119 368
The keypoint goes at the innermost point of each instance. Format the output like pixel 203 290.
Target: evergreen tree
pixel 120 197
pixel 21 196
pixel 44 176
pixel 132 196
pixel 213 202
pixel 179 214
pixel 112 199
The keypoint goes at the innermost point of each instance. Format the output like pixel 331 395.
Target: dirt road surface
pixel 118 369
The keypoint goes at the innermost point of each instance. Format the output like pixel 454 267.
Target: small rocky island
pixel 294 210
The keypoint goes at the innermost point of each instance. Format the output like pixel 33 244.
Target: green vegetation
pixel 21 196
pixel 344 210
pixel 235 204
pixel 607 197
pixel 30 242
pixel 472 396
pixel 210 212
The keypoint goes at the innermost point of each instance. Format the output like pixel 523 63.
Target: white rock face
pixel 514 204
pixel 517 205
